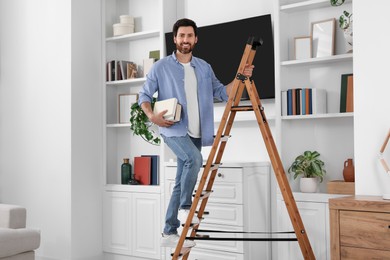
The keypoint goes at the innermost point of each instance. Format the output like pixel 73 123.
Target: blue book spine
pixel 289 102
pixel 303 101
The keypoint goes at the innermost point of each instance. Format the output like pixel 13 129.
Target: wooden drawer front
pixel 230 175
pixel 222 192
pixel 353 253
pixel 230 246
pixel 223 214
pixel 203 254
pixel 365 229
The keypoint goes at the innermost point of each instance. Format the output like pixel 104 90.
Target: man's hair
pixel 184 22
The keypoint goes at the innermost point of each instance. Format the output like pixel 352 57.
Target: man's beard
pixel 185 50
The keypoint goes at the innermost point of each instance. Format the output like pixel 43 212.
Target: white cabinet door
pixel 145 225
pixel 116 222
pixel 132 224
pixel 314 219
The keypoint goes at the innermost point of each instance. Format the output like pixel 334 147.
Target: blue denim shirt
pixel 167 78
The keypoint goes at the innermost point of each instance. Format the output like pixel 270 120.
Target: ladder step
pixel 213 166
pixel 183 252
pixel 205 194
pixel 242 108
pixel 224 138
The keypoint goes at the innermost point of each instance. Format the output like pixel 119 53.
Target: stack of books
pixel 146 169
pixel 303 101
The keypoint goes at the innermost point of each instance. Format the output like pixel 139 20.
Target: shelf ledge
pixel 133 188
pixel 318 116
pixel 306 5
pixel 134 36
pixel 321 60
pixel 125 82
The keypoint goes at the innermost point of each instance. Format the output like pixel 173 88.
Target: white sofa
pixel 16 241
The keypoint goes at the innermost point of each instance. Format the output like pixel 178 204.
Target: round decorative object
pixel 308 184
pixel 349 171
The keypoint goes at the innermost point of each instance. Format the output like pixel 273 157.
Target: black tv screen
pixel 222 45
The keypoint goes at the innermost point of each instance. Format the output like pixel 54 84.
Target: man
pixel 192 81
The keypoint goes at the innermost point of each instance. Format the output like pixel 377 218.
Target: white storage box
pixel 121 29
pixel 126 19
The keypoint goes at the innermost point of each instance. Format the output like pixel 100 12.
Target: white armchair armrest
pixel 12 216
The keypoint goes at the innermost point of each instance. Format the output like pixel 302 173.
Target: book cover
pixel 318 101
pixel 289 102
pixel 171 105
pixel 298 100
pixel 294 102
pixel 343 92
pixel 155 163
pixel 310 101
pixel 349 102
pixel 284 103
pixel 143 169
pixel 307 101
pixel 303 101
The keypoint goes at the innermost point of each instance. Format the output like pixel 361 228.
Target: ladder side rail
pixel 292 208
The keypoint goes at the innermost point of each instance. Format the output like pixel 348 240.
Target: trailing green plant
pixel 308 165
pixel 141 126
pixel 346 18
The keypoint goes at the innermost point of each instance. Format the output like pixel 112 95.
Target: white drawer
pixel 229 246
pixel 222 192
pixel 229 175
pixel 223 214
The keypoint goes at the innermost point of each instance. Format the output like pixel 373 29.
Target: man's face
pixel 185 39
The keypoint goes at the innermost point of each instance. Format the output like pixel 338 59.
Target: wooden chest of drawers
pixel 360 228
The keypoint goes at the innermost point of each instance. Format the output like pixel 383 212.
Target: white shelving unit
pixel 330 134
pixel 132 213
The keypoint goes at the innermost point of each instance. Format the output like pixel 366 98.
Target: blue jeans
pixel 189 161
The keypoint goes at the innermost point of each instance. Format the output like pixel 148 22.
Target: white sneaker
pixel 171 241
pixel 183 215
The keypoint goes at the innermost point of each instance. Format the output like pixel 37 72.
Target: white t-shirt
pixel 191 90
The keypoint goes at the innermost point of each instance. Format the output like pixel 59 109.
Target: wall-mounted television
pixel 222 45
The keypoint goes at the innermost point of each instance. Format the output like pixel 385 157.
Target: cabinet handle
pixel 220 175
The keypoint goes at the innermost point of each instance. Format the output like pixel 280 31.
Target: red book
pixel 143 169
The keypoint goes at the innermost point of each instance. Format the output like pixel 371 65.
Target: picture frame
pixel 302 47
pixel 125 101
pixel 323 37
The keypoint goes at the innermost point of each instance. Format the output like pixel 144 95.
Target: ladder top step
pixel 242 108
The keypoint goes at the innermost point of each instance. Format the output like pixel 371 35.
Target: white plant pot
pixel 308 184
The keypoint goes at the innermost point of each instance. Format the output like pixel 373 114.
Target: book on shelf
pixel 120 70
pixel 343 92
pixel 172 106
pixel 303 101
pixel 143 169
pixel 349 102
pixel 155 163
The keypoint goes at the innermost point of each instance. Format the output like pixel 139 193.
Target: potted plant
pixel 311 168
pixel 141 126
pixel 345 23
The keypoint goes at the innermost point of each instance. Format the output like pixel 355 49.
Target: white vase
pixel 348 36
pixel 308 184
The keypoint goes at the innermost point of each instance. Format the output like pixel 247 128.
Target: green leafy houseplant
pixel 308 165
pixel 346 18
pixel 141 126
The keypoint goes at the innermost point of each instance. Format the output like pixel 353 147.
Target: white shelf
pixel 306 5
pixel 118 125
pixel 126 82
pixel 134 36
pixel 321 60
pixel 318 116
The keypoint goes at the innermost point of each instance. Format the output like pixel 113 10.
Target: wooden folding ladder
pixel 210 169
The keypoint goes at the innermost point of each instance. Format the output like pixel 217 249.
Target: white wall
pixel 50 122
pixel 246 136
pixel 35 105
pixel 372 92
